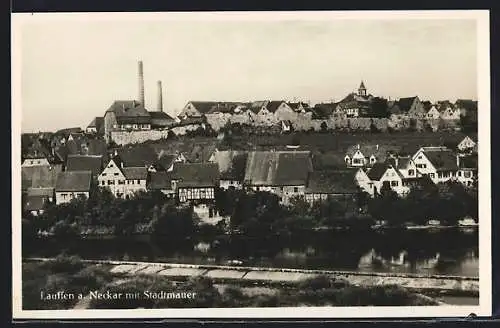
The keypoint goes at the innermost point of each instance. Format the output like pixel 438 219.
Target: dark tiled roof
pixel 97 123
pixel 196 174
pixel 280 168
pixel 442 160
pixel 203 106
pixel 34 203
pixel 68 131
pixel 135 173
pixel 368 150
pixel 362 85
pixel 137 156
pixel 427 105
pixel 84 163
pixel 129 111
pixel 42 176
pixel 160 180
pixel 273 105
pixel 74 181
pixel 332 182
pixel 166 160
pixel 377 171
pixel 296 105
pixel 161 119
pixel 405 103
pixel 328 160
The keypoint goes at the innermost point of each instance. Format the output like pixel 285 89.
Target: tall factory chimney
pixel 141 84
pixel 160 97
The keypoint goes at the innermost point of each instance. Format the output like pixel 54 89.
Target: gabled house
pixel 41 176
pixel 71 185
pixel 331 184
pixel 439 163
pixel 412 107
pixel 197 108
pixel 195 181
pixel 299 107
pixel 96 126
pixel 286 126
pixel 161 181
pixel 284 173
pixel 405 165
pixel 448 111
pixel 138 156
pixel 123 181
pixel 433 113
pixel 383 174
pixel 166 161
pixel 467 144
pixel 367 154
pixel 355 104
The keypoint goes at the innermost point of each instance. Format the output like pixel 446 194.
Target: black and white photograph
pixel 251 164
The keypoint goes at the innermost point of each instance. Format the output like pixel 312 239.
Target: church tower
pixel 362 90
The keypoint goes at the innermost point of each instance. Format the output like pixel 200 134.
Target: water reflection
pixel 447 252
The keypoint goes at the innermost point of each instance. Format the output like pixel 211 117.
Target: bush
pixel 64 264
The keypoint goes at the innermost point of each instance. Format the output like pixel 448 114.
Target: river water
pixel 447 252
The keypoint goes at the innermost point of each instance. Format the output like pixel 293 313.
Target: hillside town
pixel 61 166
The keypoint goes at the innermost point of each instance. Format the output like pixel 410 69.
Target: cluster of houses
pixel 132 115
pixel 59 171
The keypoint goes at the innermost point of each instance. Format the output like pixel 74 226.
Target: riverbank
pixel 69 283
pixel 449 285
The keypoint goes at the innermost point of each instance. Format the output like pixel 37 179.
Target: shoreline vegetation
pixel 67 282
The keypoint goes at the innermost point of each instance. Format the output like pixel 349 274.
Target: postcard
pixel 251 165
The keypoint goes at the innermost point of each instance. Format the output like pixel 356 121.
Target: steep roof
pixel 40 176
pixel 275 168
pixel 380 151
pixel 377 171
pixel 296 105
pixel 332 182
pixel 129 111
pixel 73 181
pixel 328 160
pixel 273 105
pixel 160 180
pixel 166 160
pixel 362 85
pixel 135 173
pixel 137 156
pixel 203 106
pixel 84 163
pixel 161 119
pixel 97 122
pixel 405 103
pixel 196 175
pixel 442 160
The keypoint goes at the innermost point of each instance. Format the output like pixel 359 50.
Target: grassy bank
pixel 80 281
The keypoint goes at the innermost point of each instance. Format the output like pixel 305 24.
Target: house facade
pixel 467 144
pixel 438 163
pixel 123 182
pixel 433 113
pixel 72 185
pixel 195 182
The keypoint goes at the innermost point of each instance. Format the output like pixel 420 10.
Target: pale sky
pixel 72 71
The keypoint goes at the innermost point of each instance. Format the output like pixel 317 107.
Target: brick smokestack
pixel 160 97
pixel 141 84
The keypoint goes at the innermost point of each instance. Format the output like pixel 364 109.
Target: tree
pixel 379 108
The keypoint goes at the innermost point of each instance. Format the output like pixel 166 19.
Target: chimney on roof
pixel 160 97
pixel 141 83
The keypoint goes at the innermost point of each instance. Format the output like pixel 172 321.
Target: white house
pixel 35 161
pixel 383 174
pixel 366 155
pixel 123 182
pixel 433 113
pixel 439 163
pixel 71 185
pixel 466 144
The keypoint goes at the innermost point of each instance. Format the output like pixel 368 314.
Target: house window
pixel 459 173
pixel 121 182
pixel 110 165
pixel 394 183
pixel 295 189
pixel 115 174
pixel 138 181
pixel 111 182
pixel 411 172
pixel 135 126
pixel 104 174
pixel 257 188
pixel 431 175
pixel 64 196
pixel 356 161
pixel 467 174
pixel 103 182
pixel 347 160
pixel 372 159
pixel 370 185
